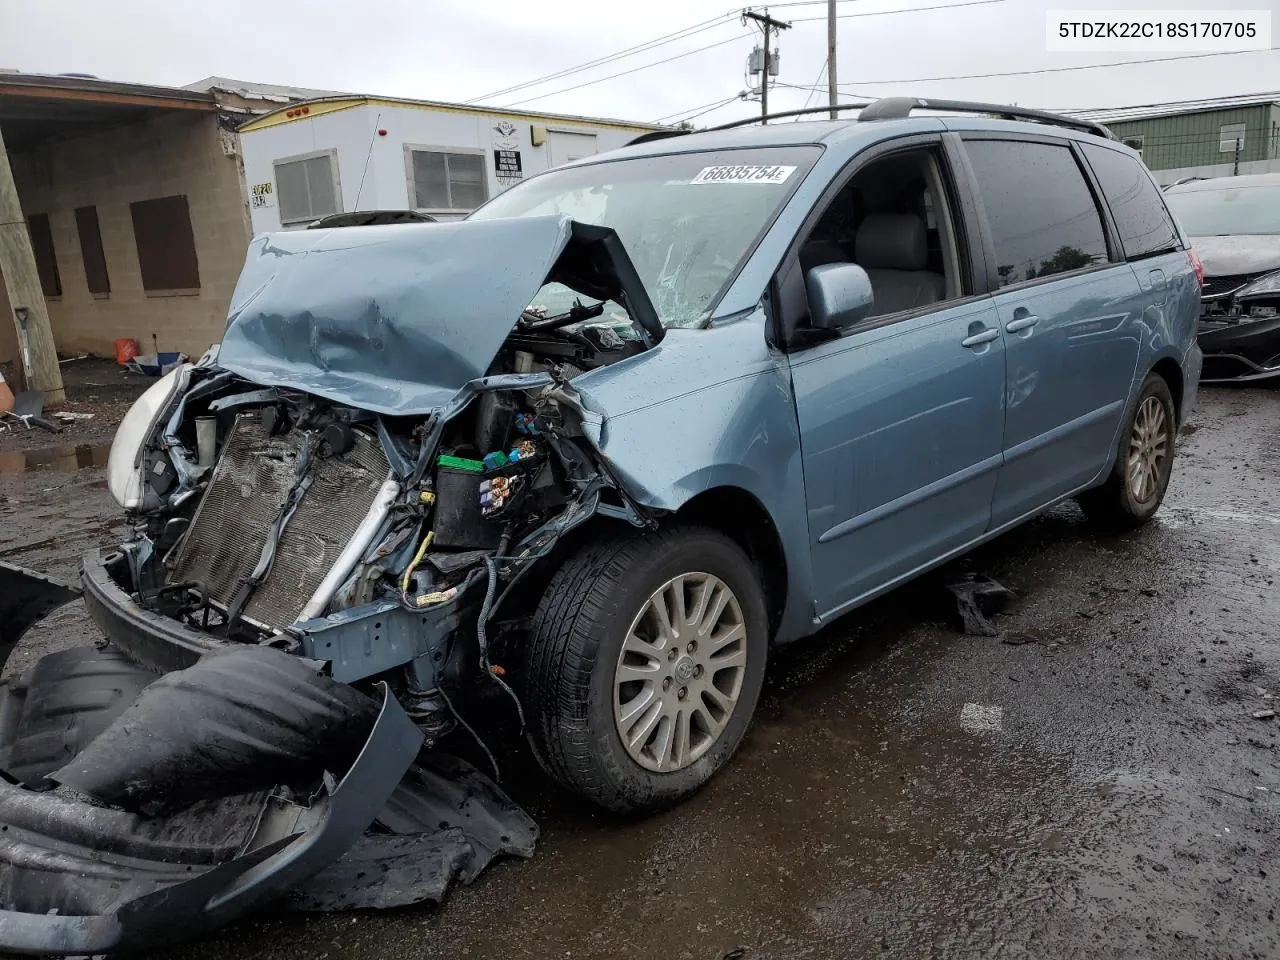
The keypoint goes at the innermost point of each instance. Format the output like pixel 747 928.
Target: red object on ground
pixel 126 350
pixel 6 397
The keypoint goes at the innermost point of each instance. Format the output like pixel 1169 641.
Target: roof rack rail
pixel 898 108
pixel 790 113
pixel 657 135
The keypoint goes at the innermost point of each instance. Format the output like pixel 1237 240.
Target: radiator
pixel 250 482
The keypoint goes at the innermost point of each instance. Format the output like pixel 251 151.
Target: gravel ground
pixel 1092 783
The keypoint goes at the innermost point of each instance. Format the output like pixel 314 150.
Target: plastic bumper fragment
pixel 63 838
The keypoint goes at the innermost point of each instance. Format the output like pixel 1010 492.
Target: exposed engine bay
pixel 335 509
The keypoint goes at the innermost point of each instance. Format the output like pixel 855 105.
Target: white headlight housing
pixel 1266 285
pixel 124 464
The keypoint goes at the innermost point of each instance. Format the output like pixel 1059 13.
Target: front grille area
pixel 1227 283
pixel 249 485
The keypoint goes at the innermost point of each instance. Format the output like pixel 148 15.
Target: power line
pixel 886 13
pixel 722 103
pixel 623 73
pixel 723 19
pixel 704 107
pixel 1090 66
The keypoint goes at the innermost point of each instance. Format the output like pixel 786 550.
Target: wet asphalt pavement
pixel 1099 787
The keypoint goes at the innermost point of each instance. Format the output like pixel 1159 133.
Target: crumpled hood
pixel 393 319
pixel 1228 256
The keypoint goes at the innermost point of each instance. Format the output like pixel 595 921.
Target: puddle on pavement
pixel 55 458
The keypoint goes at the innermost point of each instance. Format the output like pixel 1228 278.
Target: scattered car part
pixel 977 598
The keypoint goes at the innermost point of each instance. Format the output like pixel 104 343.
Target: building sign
pixel 507 164
pixel 260 195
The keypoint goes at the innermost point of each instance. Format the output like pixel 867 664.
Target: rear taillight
pixel 1197 266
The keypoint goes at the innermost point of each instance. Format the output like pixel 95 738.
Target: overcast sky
pixel 459 49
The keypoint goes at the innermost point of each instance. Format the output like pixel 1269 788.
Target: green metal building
pixel 1202 138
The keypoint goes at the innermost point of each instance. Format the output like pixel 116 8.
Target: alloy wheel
pixel 1148 449
pixel 680 672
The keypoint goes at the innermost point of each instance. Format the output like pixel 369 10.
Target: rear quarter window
pixel 1040 211
pixel 1143 221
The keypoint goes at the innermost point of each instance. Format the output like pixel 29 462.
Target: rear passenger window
pixel 1042 216
pixel 1136 205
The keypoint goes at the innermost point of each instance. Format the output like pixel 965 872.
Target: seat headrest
pixel 892 241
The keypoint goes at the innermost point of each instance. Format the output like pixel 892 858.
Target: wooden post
pixel 22 282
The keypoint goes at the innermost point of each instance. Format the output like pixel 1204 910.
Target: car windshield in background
pixel 687 221
pixel 1229 211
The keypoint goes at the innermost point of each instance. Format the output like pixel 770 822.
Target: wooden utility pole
pixel 831 57
pixel 767 23
pixel 38 359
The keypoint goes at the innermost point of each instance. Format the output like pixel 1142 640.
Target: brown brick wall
pixel 167 154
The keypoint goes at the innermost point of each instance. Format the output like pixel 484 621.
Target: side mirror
pixel 839 295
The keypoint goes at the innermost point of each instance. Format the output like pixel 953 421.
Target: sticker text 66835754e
pixel 744 173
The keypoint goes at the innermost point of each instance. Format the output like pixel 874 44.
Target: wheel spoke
pixel 662 614
pixel 712 615
pixel 663 739
pixel 631 673
pixel 629 711
pixel 722 640
pixel 705 591
pixel 638 736
pixel 680 742
pixel 730 659
pixel 711 723
pixel 674 596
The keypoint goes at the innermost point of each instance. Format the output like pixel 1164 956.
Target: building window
pixel 1231 137
pixel 166 245
pixel 447 180
pixel 95 261
pixel 46 260
pixel 1135 143
pixel 307 187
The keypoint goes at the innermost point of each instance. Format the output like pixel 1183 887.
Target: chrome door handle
pixel 1022 323
pixel 981 337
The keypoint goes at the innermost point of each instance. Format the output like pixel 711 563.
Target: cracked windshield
pixel 686 221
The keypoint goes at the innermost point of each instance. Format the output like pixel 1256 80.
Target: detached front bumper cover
pixel 1240 352
pixel 139 810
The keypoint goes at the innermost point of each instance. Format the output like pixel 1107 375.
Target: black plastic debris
pixel 26 597
pixel 236 722
pixel 445 822
pixel 977 598
pixel 87 867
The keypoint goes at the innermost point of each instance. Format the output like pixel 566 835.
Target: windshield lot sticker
pixel 744 173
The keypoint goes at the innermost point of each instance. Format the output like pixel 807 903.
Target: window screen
pixel 95 261
pixel 1231 135
pixel 1136 205
pixel 166 245
pixel 307 188
pixel 448 181
pixel 1042 217
pixel 46 260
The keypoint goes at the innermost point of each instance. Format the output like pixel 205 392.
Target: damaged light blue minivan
pixel 577 461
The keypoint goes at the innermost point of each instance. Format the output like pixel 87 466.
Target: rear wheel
pixel 1144 461
pixel 644 666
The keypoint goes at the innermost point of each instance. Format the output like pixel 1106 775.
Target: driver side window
pixel 892 219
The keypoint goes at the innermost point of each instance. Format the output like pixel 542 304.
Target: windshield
pixel 687 221
pixel 1229 211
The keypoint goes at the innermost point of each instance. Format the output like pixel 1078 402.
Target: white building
pixel 339 154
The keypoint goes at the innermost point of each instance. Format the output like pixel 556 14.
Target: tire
pixel 577 698
pixel 1130 497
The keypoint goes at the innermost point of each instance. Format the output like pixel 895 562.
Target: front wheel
pixel 644 666
pixel 1144 461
